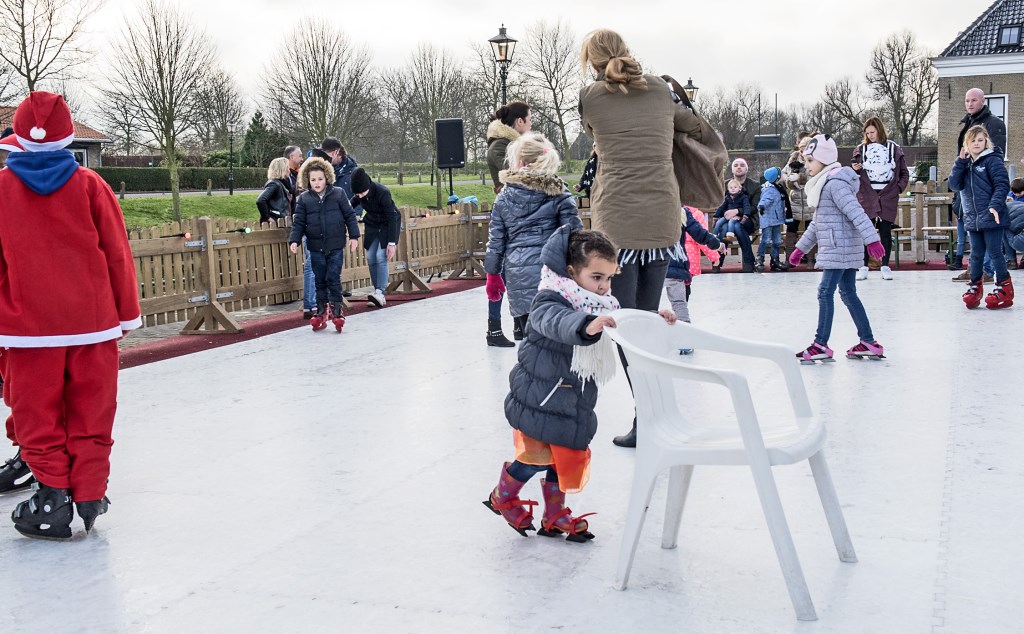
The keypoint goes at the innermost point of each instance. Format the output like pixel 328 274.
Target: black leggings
pixel 523 472
pixel 885 233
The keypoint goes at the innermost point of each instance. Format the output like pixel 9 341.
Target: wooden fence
pixel 200 271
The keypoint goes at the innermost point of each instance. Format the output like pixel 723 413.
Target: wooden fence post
pixel 211 315
pixel 470 267
pixel 400 179
pixel 405 276
pixel 121 195
pixel 209 187
pixel 918 241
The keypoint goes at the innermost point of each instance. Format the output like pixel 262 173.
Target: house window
pixel 1009 35
pixel 82 156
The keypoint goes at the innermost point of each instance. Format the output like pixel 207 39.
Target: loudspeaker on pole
pixel 451 143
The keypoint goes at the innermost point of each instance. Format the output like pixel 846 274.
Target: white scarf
pixel 817 182
pixel 597 361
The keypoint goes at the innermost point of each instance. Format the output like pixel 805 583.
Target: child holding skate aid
pixel 980 177
pixel 841 229
pixel 553 391
pixel 324 216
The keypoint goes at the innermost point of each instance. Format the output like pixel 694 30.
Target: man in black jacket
pixel 381 225
pixel 749 223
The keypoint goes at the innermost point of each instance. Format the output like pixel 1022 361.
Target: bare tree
pixel 437 81
pixel 220 109
pixel 319 82
pixel 551 61
pixel 397 89
pixel 843 96
pixel 9 88
pixel 40 39
pixel 902 78
pixel 118 119
pixel 159 70
pixel 735 113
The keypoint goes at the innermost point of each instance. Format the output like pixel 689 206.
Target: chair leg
pixel 678 485
pixel 782 539
pixel 639 500
pixel 833 512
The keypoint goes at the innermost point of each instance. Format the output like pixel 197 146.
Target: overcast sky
pixel 791 47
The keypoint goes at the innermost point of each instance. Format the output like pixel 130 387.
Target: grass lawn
pixel 149 212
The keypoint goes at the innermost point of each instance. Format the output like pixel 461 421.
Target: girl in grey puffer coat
pixel 533 203
pixel 840 229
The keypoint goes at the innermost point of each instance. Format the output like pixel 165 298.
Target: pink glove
pixel 876 251
pixel 795 257
pixel 495 287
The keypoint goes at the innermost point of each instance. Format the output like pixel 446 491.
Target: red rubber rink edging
pixel 179 345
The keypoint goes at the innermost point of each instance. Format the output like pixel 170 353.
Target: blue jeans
pixel 961 245
pixel 377 259
pixel 771 235
pixel 494 308
pixel 988 245
pixel 1009 251
pixel 1016 242
pixel 846 280
pixel 308 282
pixel 327 271
pixel 724 226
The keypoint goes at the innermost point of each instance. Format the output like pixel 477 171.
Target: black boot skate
pixel 337 316
pixel 495 337
pixel 519 327
pixel 92 509
pixel 15 475
pixel 759 267
pixel 45 515
pixel 777 265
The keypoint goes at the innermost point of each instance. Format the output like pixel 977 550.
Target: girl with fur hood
pixel 841 229
pixel 325 218
pixel 507 123
pixel 533 203
pixel 553 387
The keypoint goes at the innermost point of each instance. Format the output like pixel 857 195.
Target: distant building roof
pixel 982 36
pixel 82 131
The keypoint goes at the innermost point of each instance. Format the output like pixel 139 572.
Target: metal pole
pixel 231 163
pixel 504 88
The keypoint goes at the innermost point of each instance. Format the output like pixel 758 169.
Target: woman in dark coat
pixel 883 177
pixel 274 201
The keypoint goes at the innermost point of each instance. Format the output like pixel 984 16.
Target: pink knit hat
pixel 822 148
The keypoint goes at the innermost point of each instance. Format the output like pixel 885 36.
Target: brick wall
pixel 951 110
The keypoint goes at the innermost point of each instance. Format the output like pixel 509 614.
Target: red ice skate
pixel 319 320
pixel 558 519
pixel 504 501
pixel 1002 296
pixel 336 316
pixel 972 298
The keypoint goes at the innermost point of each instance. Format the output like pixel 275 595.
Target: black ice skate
pixel 89 511
pixel 45 515
pixel 15 475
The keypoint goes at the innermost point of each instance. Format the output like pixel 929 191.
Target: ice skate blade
pixel 50 537
pixel 814 361
pixel 871 357
pixel 578 538
pixel 521 531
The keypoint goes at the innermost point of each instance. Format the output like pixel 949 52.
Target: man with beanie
pixel 342 163
pixel 381 224
pixel 748 223
pixel 68 294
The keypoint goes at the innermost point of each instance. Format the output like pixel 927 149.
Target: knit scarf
pixel 597 361
pixel 817 182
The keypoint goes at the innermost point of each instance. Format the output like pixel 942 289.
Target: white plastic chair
pixel 668 440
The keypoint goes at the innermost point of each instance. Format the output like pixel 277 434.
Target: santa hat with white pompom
pixel 43 122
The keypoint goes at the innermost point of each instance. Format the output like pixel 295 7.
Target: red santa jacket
pixel 67 276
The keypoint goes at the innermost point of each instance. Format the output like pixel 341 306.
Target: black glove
pixel 356 201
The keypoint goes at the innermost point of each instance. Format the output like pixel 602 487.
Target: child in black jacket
pixel 381 225
pixel 325 218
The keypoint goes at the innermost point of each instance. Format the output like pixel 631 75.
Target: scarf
pixel 594 362
pixel 817 182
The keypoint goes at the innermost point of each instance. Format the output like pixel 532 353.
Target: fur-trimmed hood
pixel 319 163
pixel 544 183
pixel 498 130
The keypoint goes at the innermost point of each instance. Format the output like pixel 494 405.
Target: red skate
pixel 1002 296
pixel 972 298
pixel 319 320
pixel 558 519
pixel 336 316
pixel 504 501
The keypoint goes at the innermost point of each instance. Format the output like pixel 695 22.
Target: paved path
pixel 315 481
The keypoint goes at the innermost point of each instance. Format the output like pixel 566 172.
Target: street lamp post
pixel 502 46
pixel 231 160
pixel 690 90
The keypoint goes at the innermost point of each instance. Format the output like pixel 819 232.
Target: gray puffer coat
pixel 840 227
pixel 547 401
pixel 526 213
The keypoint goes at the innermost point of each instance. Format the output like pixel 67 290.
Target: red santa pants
pixel 63 401
pixel 9 424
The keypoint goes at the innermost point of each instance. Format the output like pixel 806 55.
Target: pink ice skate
pixel 815 352
pixel 865 350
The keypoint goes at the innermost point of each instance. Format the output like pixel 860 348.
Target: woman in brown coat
pixel 635 198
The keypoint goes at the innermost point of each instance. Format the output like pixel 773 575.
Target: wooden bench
pixel 933 235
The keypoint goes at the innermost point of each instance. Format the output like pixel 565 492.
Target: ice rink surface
pixel 308 482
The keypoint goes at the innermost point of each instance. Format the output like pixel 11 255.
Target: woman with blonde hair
pixel 274 202
pixel 635 197
pixel 883 177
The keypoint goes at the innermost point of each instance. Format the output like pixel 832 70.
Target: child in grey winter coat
pixel 553 387
pixel 772 207
pixel 841 229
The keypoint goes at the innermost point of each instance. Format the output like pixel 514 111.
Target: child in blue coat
pixel 980 177
pixel 772 207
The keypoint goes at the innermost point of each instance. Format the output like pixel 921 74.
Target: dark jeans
pixel 523 472
pixel 988 243
pixel 327 271
pixel 639 285
pixel 885 233
pixel 494 308
pixel 846 280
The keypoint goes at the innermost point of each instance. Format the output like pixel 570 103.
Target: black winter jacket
pixel 547 401
pixel 680 270
pixel 273 201
pixel 382 219
pixel 1016 212
pixel 327 223
pixel 993 125
pixel 983 184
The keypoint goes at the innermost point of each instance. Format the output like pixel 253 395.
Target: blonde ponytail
pixel 605 50
pixel 533 152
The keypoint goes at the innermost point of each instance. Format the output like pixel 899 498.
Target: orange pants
pixel 63 401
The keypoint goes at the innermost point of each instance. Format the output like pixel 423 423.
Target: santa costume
pixel 67 293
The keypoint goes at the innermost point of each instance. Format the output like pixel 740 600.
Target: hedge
pixel 156 179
